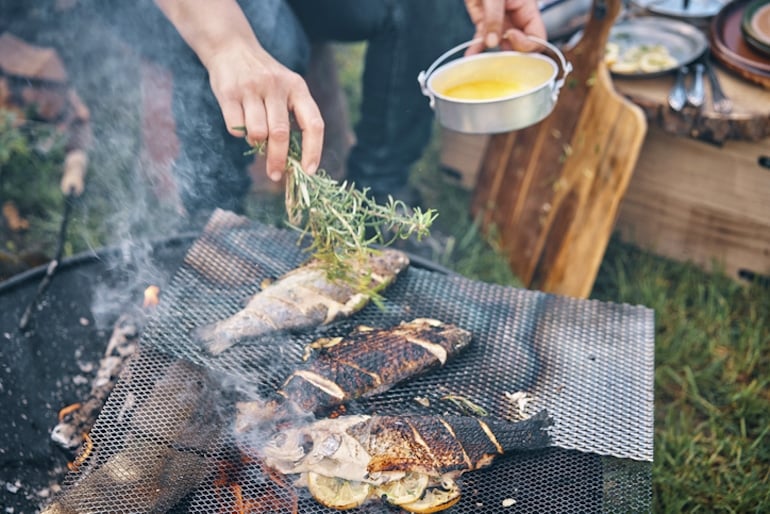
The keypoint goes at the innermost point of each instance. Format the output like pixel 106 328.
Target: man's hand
pixel 506 23
pixel 257 92
pixel 253 89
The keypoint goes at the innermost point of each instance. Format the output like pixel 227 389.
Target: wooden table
pixel 700 191
pixel 749 121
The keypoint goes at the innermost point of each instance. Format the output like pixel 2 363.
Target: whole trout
pixel 373 454
pixel 364 363
pixel 304 297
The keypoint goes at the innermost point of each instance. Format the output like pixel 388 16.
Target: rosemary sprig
pixel 343 222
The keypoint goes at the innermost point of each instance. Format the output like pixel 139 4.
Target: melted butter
pixel 483 90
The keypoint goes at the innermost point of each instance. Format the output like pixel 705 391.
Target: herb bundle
pixel 344 224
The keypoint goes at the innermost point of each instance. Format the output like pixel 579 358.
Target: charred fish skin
pixel 453 444
pixel 370 361
pixel 302 298
pixel 376 449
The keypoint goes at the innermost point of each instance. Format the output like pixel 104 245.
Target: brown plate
pixel 731 49
pixel 756 25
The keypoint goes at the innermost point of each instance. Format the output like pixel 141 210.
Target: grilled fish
pixel 371 361
pixel 302 298
pixel 418 456
pixel 365 363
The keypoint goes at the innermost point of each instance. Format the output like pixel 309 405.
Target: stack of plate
pixel 740 39
pixel 756 25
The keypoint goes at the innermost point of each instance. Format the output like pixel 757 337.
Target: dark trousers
pixel 403 38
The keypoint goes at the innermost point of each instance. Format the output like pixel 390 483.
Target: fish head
pixel 451 337
pixel 388 263
pixel 443 340
pixel 323 447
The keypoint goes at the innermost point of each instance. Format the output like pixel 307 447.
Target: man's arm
pixel 253 89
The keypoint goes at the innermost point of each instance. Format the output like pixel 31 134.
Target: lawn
pixel 712 347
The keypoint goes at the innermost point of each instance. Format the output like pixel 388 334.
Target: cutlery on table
pixel 677 97
pixel 719 101
pixel 696 93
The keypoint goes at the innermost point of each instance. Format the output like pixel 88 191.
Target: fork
pixel 696 93
pixel 719 100
pixel 678 95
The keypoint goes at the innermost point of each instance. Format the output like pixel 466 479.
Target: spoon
pixel 677 97
pixel 719 100
pixel 696 94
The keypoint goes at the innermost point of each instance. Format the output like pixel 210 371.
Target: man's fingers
pixel 232 112
pixel 279 134
pixel 516 40
pixel 256 120
pixel 492 22
pixel 477 45
pixel 312 125
pixel 524 15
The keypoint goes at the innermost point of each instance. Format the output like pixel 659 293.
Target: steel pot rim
pixel 480 57
pixel 425 78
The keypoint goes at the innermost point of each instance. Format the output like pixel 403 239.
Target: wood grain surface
pixel 553 190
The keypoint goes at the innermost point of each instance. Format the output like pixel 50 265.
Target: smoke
pixel 121 59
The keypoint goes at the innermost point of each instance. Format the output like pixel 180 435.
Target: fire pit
pixel 49 366
pixel 165 438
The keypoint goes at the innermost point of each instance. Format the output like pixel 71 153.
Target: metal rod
pixel 52 266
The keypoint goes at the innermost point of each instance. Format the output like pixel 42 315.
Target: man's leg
pixel 404 37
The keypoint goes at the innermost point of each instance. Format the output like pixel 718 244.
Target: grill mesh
pixel 589 363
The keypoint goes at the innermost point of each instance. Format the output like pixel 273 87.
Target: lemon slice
pixel 624 67
pixel 337 493
pixel 434 500
pixel 656 61
pixel 406 490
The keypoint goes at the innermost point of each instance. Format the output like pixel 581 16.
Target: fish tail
pixel 528 434
pixel 213 338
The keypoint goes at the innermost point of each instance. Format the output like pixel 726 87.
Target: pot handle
pixel 566 66
pixel 422 78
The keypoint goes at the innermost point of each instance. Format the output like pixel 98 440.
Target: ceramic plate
pixel 684 42
pixel 730 47
pixel 756 25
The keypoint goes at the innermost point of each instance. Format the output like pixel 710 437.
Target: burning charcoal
pixel 123 343
pixel 162 459
pixel 145 477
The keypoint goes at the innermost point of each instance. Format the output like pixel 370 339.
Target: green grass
pixel 712 381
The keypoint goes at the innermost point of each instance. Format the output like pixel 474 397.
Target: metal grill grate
pixel 589 363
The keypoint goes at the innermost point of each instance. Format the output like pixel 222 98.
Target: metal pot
pixel 536 89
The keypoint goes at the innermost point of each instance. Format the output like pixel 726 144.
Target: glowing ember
pixel 151 296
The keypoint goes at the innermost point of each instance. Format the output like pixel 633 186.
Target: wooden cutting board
pixel 552 190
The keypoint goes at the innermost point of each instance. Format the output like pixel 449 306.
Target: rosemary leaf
pixel 342 222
